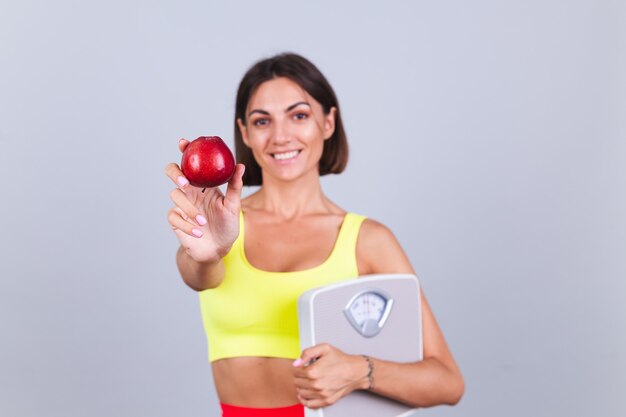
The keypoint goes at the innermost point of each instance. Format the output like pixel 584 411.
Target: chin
pixel 292 175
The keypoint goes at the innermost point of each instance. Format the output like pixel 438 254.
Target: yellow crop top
pixel 253 312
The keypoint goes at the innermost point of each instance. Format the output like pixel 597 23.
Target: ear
pixel 243 130
pixel 329 123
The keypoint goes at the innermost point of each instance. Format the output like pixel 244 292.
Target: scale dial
pixel 368 310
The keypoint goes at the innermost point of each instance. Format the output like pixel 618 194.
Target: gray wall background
pixel 489 135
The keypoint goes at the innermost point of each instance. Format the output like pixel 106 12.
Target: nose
pixel 281 134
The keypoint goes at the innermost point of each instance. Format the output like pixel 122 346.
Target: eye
pixel 300 116
pixel 260 121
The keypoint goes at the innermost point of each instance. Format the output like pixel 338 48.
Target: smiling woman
pixel 315 90
pixel 285 130
pixel 251 259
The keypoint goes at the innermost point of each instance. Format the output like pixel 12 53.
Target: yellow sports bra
pixel 253 312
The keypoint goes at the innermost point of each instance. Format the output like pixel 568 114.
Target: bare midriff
pixel 255 382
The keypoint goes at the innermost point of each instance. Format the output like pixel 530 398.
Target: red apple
pixel 207 162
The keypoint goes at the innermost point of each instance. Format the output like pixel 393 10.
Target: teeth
pixel 285 155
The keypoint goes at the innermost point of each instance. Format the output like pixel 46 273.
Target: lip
pixel 286 156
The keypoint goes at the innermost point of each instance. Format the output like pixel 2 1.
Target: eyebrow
pixel 293 106
pixel 265 113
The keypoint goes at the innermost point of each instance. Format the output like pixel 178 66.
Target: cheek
pixel 257 138
pixel 312 132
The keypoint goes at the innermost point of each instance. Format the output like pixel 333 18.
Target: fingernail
pixel 196 233
pixel 297 362
pixel 180 140
pixel 182 181
pixel 201 220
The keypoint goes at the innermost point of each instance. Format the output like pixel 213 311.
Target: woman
pixel 250 258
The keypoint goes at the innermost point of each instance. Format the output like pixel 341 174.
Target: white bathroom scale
pixel 375 315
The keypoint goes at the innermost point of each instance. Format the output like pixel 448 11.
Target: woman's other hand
pixel 324 374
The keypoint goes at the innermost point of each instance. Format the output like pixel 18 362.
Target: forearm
pixel 421 384
pixel 199 276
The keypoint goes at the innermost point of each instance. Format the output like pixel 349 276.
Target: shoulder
pixel 375 236
pixel 378 250
pixel 371 230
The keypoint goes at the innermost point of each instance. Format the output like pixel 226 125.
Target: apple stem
pixel 203 189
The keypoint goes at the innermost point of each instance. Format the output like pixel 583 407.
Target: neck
pixel 291 199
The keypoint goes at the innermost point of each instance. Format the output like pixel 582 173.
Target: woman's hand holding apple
pixel 206 222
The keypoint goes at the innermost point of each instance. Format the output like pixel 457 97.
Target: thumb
pixel 232 199
pixel 182 144
pixel 310 355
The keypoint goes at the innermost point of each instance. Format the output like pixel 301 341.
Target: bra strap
pixel 349 234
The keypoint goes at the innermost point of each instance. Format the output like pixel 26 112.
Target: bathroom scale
pixel 375 315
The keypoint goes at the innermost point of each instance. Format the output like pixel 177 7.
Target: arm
pixel 432 381
pixel 206 224
pixel 197 275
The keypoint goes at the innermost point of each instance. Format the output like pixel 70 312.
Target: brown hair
pixel 301 71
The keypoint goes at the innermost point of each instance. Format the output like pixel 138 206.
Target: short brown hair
pixel 301 71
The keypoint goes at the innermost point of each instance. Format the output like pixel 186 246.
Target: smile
pixel 285 155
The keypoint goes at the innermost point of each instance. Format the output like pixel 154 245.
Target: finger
pixel 182 144
pixel 317 400
pixel 309 394
pixel 302 377
pixel 304 384
pixel 190 211
pixel 306 372
pixel 232 199
pixel 177 222
pixel 174 173
pixel 302 400
pixel 310 355
pixel 311 403
pixel 183 216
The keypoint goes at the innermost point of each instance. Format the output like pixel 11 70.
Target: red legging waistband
pixel 235 411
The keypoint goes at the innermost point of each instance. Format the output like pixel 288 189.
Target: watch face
pixel 367 311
